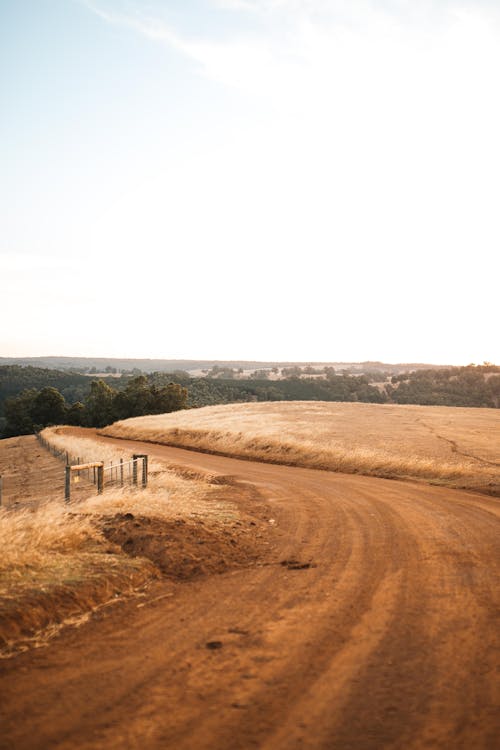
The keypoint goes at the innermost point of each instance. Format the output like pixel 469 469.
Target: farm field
pixel 457 447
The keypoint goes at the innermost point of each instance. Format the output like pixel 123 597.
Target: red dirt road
pixel 391 639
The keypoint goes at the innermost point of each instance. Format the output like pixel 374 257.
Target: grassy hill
pixel 458 447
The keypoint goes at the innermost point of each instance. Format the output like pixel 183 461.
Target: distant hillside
pixel 15 378
pixel 101 364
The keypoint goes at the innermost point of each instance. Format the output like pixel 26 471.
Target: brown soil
pixel 30 616
pixel 182 549
pixel 372 623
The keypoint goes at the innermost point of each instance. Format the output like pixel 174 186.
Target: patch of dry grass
pixel 459 447
pixel 31 540
pixel 168 494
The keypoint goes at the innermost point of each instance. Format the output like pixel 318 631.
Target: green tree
pixel 99 404
pixel 49 407
pixel 149 396
pixel 18 413
pixel 171 397
pixel 135 400
pixel 77 414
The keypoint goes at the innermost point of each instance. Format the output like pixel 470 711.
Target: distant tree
pixel 77 414
pixel 134 400
pixel 145 395
pixel 171 397
pixel 48 407
pixel 18 413
pixel 99 404
pixel 260 374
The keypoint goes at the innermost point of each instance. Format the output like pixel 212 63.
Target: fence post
pixel 121 472
pixel 136 457
pixel 67 483
pixel 100 479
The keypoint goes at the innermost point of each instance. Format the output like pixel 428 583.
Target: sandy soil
pixel 372 622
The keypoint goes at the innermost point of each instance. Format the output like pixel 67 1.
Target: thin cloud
pixel 150 27
pixel 298 36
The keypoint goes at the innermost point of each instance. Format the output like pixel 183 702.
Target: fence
pixel 104 477
pixel 117 474
pixel 79 478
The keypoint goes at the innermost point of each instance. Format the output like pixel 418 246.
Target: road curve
pixel 391 640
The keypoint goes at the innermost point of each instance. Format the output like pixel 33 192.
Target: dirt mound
pixel 176 549
pixel 183 549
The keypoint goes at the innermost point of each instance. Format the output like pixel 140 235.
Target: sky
pixel 296 180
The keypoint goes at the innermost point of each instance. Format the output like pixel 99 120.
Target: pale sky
pixel 303 180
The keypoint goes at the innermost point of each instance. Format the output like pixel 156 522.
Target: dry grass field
pixel 458 447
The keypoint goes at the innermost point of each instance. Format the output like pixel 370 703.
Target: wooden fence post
pixel 100 479
pixel 121 472
pixel 136 457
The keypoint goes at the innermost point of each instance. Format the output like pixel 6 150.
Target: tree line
pixel 33 397
pixel 473 385
pixel 33 409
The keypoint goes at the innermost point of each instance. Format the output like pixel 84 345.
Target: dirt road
pixel 389 639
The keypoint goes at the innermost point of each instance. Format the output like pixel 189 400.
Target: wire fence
pixel 78 480
pixel 124 472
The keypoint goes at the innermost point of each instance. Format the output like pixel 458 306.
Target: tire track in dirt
pixel 390 641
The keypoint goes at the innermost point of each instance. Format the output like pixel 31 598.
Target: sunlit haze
pixel 301 180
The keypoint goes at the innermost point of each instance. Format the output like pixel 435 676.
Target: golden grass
pixel 458 447
pixel 29 538
pixel 168 494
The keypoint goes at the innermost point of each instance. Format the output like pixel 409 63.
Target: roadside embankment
pixel 63 561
